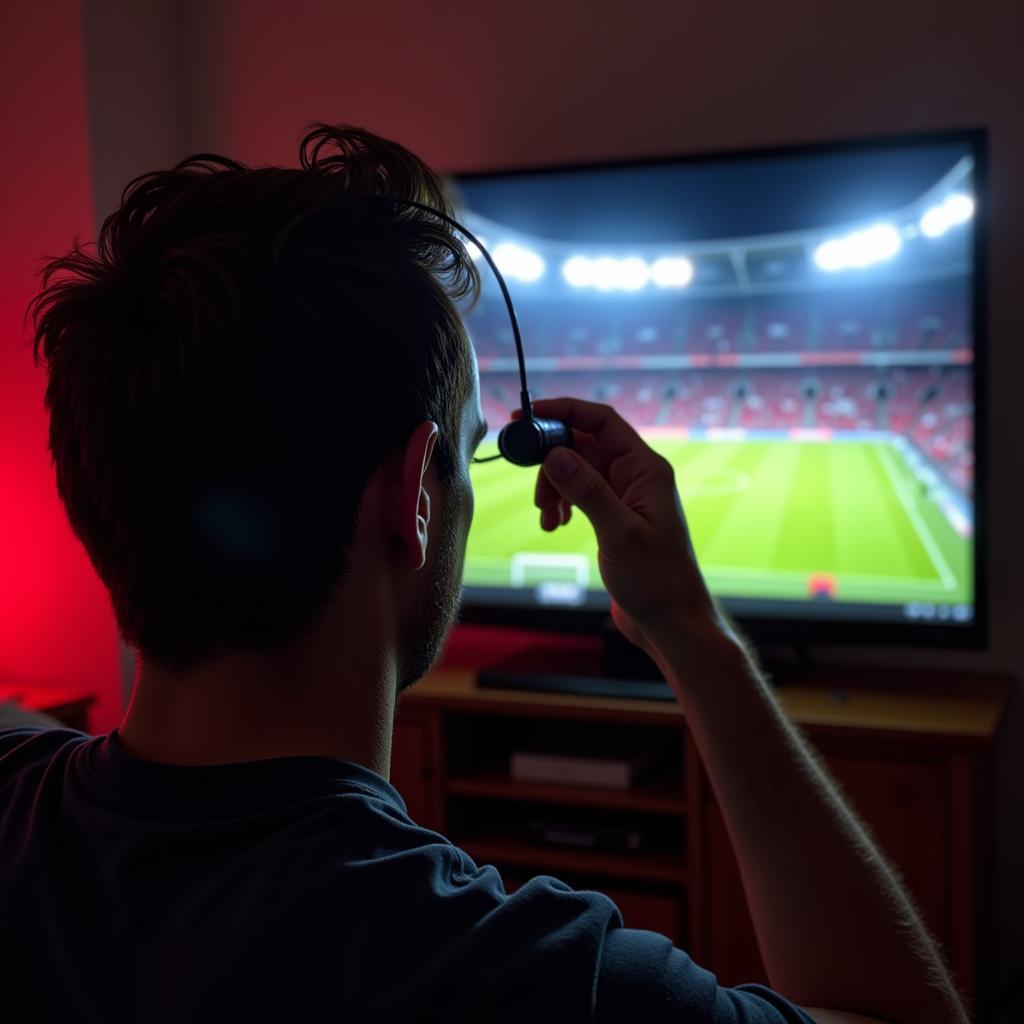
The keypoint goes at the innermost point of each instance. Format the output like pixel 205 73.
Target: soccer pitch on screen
pixel 769 519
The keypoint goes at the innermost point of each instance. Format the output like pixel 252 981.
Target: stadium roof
pixel 708 200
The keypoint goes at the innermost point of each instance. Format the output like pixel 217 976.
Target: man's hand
pixel 628 493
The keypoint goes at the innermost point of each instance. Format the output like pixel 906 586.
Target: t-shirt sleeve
pixel 642 976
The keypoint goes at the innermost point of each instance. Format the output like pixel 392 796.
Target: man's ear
pixel 412 514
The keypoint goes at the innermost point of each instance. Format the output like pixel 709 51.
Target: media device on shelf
pixel 800 330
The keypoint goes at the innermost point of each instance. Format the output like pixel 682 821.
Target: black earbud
pixel 526 442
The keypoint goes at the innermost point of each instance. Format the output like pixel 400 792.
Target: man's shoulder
pixel 32 743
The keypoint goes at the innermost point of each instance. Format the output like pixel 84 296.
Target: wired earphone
pixel 526 441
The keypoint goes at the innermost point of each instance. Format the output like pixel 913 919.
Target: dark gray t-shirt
pixel 296 889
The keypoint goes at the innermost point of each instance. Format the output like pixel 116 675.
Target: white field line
pixel 925 535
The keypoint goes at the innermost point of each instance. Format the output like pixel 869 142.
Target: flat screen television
pixel 800 331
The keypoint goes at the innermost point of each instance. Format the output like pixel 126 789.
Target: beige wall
pixel 475 85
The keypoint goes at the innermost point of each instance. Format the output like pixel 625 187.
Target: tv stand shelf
pixel 657 798
pixel 911 750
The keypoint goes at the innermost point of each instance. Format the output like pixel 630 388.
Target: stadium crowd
pixel 842 321
pixel 929 405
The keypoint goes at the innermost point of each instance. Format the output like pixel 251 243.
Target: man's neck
pixel 244 708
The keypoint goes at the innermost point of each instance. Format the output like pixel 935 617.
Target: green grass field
pixel 764 515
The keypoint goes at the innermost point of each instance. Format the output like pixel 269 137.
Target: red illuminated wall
pixel 56 626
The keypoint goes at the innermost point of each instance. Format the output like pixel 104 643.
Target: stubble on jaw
pixel 422 636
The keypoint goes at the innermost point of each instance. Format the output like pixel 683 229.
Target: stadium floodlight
pixel 830 255
pixel 633 274
pixel 933 222
pixel 604 273
pixel 956 208
pixel 576 271
pixel 873 245
pixel 607 273
pixel 859 249
pixel 672 272
pixel 959 208
pixel 518 262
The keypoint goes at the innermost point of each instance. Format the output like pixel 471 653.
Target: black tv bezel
pixel 797 630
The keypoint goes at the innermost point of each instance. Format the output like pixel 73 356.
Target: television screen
pixel 795 330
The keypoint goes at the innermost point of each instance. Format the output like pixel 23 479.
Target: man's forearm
pixel 835 927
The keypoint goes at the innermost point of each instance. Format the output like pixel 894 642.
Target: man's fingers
pixel 580 484
pixel 544 494
pixel 602 422
pixel 594 453
pixel 600 436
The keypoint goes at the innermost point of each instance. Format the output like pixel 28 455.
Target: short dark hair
pixel 228 369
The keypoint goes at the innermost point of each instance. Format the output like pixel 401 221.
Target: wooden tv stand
pixel 912 752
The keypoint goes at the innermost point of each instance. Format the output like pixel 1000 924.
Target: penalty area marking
pixel 520 563
pixel 917 520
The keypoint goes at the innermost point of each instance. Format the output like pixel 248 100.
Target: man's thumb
pixel 577 481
